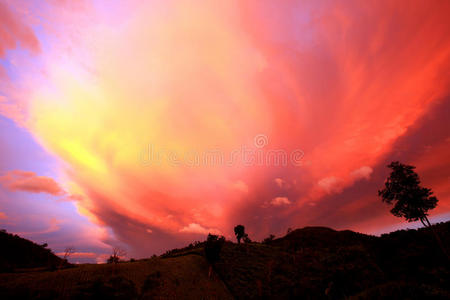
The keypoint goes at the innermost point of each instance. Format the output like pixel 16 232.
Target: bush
pixel 246 239
pixel 268 239
pixel 213 246
pixel 112 259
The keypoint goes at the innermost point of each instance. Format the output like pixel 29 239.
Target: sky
pixel 146 125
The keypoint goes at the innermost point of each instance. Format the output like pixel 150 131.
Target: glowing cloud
pixel 18 180
pixel 278 201
pixel 362 173
pixel 127 95
pixel 197 228
pixel 79 254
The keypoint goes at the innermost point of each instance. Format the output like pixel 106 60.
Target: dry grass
pixel 183 277
pixel 309 263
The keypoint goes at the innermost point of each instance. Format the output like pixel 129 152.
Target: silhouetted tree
pixel 269 239
pixel 239 231
pixel 213 246
pixel 246 238
pixel 411 200
pixel 117 254
pixel 403 190
pixel 68 252
pixel 112 259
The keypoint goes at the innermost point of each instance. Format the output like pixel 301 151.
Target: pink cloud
pixel 197 228
pixel 279 182
pixel 279 201
pixel 14 32
pixel 240 186
pixel 28 181
pixel 3 216
pixel 362 173
pixel 331 185
pixel 282 184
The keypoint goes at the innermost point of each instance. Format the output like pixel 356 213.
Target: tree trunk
pixel 441 245
pixel 421 220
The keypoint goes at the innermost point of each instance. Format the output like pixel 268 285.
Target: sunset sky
pixel 148 124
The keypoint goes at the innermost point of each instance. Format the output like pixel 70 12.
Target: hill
pixel 17 253
pixel 307 263
pixel 321 263
pixel 183 277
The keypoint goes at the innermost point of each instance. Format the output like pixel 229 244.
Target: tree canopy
pixel 402 189
pixel 239 231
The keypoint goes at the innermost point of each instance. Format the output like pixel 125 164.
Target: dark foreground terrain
pixel 308 263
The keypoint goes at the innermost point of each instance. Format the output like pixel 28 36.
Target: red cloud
pixel 362 173
pixel 27 181
pixel 278 201
pixel 14 31
pixel 79 254
pixel 331 185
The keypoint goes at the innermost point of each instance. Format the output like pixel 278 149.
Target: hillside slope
pixel 17 252
pixel 184 277
pixel 321 263
pixel 307 263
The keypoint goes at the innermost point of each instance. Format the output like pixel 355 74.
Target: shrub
pixel 213 246
pixel 112 259
pixel 246 239
pixel 268 239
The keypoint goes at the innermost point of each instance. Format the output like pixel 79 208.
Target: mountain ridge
pixel 309 263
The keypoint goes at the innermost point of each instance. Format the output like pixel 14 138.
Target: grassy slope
pixel 183 277
pixel 308 263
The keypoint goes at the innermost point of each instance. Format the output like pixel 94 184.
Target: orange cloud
pixel 79 255
pixel 27 181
